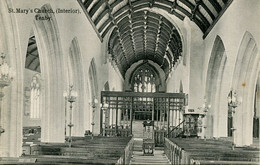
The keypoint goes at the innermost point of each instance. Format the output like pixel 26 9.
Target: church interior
pixel 129 82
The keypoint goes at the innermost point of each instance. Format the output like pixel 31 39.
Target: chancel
pixel 129 82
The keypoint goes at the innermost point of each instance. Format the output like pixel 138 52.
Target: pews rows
pixel 198 151
pixel 100 150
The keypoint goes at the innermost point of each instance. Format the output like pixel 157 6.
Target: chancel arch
pixel 244 82
pixel 154 69
pixel 214 83
pixel 145 79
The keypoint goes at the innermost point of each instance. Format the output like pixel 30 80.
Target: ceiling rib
pixel 140 34
pixel 216 5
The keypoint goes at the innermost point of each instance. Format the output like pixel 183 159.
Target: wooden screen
pixel 165 109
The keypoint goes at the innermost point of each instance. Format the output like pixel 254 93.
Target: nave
pixel 120 81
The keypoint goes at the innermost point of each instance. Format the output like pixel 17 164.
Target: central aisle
pixel 138 158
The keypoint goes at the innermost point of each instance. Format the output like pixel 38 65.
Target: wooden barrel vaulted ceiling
pixel 32 56
pixel 141 34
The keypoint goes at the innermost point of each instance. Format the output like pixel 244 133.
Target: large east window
pixel 144 80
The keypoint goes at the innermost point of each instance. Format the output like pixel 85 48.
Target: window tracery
pixel 144 80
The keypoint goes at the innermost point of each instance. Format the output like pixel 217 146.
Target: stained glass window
pixel 144 80
pixel 35 98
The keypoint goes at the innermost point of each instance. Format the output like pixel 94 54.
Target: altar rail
pixel 126 157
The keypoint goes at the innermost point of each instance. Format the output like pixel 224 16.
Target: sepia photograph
pixel 130 82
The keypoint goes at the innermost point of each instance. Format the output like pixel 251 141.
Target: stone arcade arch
pixel 245 76
pixel 52 69
pixel 214 82
pixel 160 73
pixel 78 81
pixel 93 84
pixel 11 140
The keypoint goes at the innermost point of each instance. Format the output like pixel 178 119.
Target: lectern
pixel 148 141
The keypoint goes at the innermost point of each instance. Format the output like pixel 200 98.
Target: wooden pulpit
pixel 192 125
pixel 148 141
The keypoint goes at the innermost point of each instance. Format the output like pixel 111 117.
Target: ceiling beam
pixel 191 6
pixel 118 32
pixel 87 3
pixel 34 58
pixel 217 18
pixel 126 8
pixel 208 11
pixel 33 50
pixel 216 5
pixel 90 20
pixel 96 6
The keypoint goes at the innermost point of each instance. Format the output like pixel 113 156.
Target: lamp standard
pixel 93 103
pixel 70 97
pixel 205 108
pixel 6 77
pixel 233 103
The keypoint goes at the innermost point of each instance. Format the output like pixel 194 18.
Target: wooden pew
pixel 198 151
pixel 107 150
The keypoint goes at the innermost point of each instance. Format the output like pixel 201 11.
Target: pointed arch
pixel 52 71
pixel 155 67
pixel 77 79
pixel 106 86
pixel 214 82
pixel 93 79
pixel 11 119
pixel 181 87
pixel 92 73
pixel 245 75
